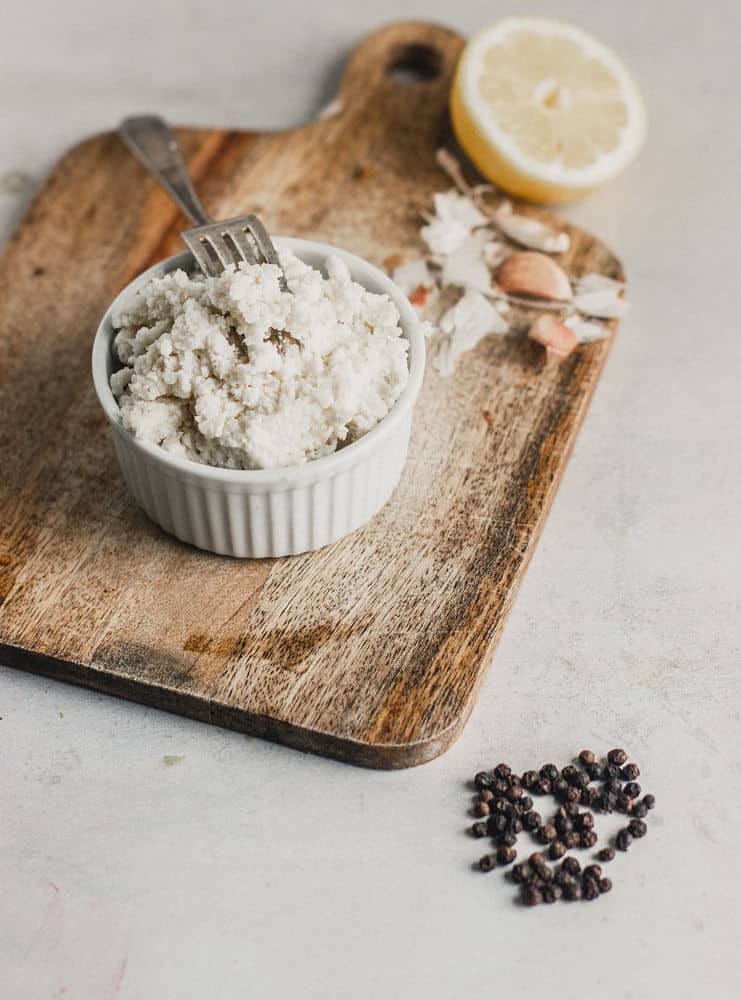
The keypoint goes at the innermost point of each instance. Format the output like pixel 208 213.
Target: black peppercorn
pixel 542 786
pixel 610 771
pixel 568 772
pixel 549 771
pixel 560 788
pixel 604 885
pixel 515 825
pixel 500 787
pixel 529 778
pixel 503 771
pixel 623 840
pixel 588 796
pixel 639 810
pixel 594 771
pixel 562 878
pixel 497 824
pixel 617 757
pixel 501 806
pixel 481 809
pixel 536 859
pixel 547 833
pixel 585 821
pixel 571 891
pixel 649 801
pixel 487 863
pixel 515 793
pixel 588 838
pixel 606 854
pixel 526 803
pixel 530 895
pixel 624 803
pixel 485 795
pixel 592 871
pixel 632 789
pixel 637 828
pixel 589 889
pixel 571 809
pixel 571 839
pixel 556 850
pixel 580 780
pixel 586 757
pixel 520 872
pixel 573 794
pixel 515 779
pixel 571 865
pixel 613 785
pixel 480 829
pixel 550 892
pixel 506 855
pixel 508 838
pixel 531 821
pixel 564 824
pixel 483 780
pixel 630 772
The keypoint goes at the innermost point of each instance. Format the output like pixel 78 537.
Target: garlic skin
pixel 558 339
pixel 530 233
pixel 533 275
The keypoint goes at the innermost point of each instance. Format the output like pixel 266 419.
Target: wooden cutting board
pixel 374 649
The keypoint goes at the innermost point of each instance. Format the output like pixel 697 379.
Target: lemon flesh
pixel 545 111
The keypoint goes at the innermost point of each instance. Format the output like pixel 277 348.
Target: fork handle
pixel 153 143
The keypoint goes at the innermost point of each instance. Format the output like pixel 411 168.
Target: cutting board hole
pixel 415 64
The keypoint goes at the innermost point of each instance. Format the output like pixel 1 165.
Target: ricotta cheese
pixel 233 371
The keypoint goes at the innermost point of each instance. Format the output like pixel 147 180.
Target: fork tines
pixel 220 244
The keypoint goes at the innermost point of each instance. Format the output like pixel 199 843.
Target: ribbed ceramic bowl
pixel 273 512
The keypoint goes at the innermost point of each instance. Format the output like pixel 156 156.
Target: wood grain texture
pixel 371 650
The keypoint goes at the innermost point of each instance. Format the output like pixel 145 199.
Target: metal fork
pixel 215 245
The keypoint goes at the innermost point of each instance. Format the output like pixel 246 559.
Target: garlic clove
pixel 557 338
pixel 534 275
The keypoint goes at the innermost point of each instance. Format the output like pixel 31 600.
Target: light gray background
pixel 145 856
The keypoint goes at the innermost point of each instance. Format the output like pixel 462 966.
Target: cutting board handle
pixel 412 55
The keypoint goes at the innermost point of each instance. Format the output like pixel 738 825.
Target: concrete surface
pixel 144 856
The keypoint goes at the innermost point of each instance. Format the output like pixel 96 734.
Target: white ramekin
pixel 268 512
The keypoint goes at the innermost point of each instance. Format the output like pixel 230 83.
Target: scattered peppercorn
pixel 503 771
pixel 604 885
pixel 487 863
pixel 588 838
pixel 637 828
pixel 630 772
pixel 556 850
pixel 485 795
pixel 589 889
pixel 588 796
pixel 549 771
pixel 610 771
pixel 526 803
pixel 508 839
pixel 606 854
pixel 585 821
pixel 531 821
pixel 639 810
pixel 586 757
pixel 515 825
pixel 613 785
pixel 632 789
pixel 592 871
pixel 571 809
pixel 571 839
pixel 560 788
pixel 594 771
pixel 571 891
pixel 529 778
pixel 480 829
pixel 496 824
pixel 481 809
pixel 542 786
pixel 483 780
pixel 530 895
pixel 623 840
pixel 624 803
pixel 571 865
pixel 573 794
pixel 563 824
pixel 506 855
pixel 617 756
pixel 550 892
pixel 520 872
pixel 515 793
pixel 500 787
pixel 547 833
pixel 649 801
pixel 568 772
pixel 536 859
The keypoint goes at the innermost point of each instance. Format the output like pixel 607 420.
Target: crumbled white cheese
pixel 234 372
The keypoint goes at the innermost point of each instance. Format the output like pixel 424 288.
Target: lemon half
pixel 544 110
